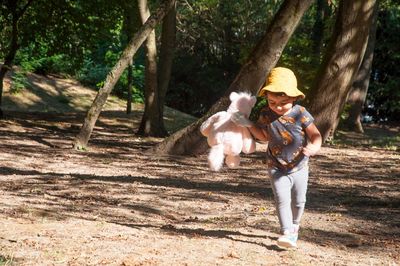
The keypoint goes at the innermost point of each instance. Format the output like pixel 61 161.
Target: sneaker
pixel 288 240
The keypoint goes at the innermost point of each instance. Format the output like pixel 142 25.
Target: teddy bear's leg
pixel 232 161
pixel 216 157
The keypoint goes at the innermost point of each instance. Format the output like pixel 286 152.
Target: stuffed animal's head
pixel 241 102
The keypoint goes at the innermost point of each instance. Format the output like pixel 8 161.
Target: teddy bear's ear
pixel 233 96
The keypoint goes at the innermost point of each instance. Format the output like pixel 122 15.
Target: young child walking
pixel 292 138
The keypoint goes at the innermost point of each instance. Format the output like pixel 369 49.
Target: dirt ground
pixel 116 204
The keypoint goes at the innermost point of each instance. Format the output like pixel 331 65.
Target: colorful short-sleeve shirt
pixel 286 137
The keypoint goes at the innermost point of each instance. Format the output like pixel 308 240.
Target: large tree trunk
pixel 250 78
pixel 340 64
pixel 321 15
pixel 152 122
pixel 82 138
pixel 358 92
pixel 168 37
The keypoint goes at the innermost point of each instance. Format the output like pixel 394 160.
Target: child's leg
pixel 300 180
pixel 281 186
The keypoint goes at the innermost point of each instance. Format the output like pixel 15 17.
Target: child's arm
pixel 315 140
pixel 258 133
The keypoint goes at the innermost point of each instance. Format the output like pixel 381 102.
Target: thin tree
pixel 250 78
pixel 340 64
pixel 131 24
pixel 359 90
pixel 93 113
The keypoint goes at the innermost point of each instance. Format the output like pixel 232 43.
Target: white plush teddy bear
pixel 227 138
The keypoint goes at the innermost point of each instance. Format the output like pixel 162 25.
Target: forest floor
pixel 116 204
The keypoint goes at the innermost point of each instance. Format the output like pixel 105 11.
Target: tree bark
pixel 152 122
pixel 129 88
pixel 358 92
pixel 340 64
pixel 251 77
pixel 321 15
pixel 168 37
pixel 93 113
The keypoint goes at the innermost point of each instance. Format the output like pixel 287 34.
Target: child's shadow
pixel 223 234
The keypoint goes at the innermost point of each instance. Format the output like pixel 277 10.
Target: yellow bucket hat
pixel 282 79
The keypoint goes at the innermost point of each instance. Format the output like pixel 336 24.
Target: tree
pixel 214 39
pixel 93 113
pixel 358 92
pixel 131 24
pixel 157 78
pixel 46 28
pixel 321 15
pixel 168 36
pixel 152 123
pixel 340 64
pixel 251 76
pixel 16 12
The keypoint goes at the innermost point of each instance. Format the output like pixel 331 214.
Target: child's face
pixel 280 104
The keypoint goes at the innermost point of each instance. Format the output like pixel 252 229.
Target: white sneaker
pixel 289 239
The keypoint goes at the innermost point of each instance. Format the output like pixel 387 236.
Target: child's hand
pixel 311 149
pixel 240 120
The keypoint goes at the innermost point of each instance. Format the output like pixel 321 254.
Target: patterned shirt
pixel 286 137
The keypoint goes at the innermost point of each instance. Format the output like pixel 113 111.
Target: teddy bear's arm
pixel 249 145
pixel 207 125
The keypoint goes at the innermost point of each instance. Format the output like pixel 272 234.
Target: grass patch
pixel 6 261
pixel 19 82
pixel 373 137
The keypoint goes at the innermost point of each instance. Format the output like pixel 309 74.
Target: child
pixel 292 138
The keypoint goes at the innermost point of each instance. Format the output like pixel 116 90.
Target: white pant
pixel 290 196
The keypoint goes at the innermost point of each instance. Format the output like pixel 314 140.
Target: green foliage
pixel 195 86
pixel 255 112
pixel 99 63
pixel 383 94
pixel 46 65
pixel 6 260
pixel 18 82
pixel 385 99
pixel 63 99
pixel 370 138
pixel 79 38
pixel 301 54
pixel 91 73
pixel 214 39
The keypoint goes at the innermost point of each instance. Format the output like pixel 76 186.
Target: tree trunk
pixel 132 24
pixel 341 63
pixel 82 138
pixel 358 92
pixel 152 121
pixel 13 47
pixel 318 30
pixel 250 78
pixel 168 37
pixel 129 88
